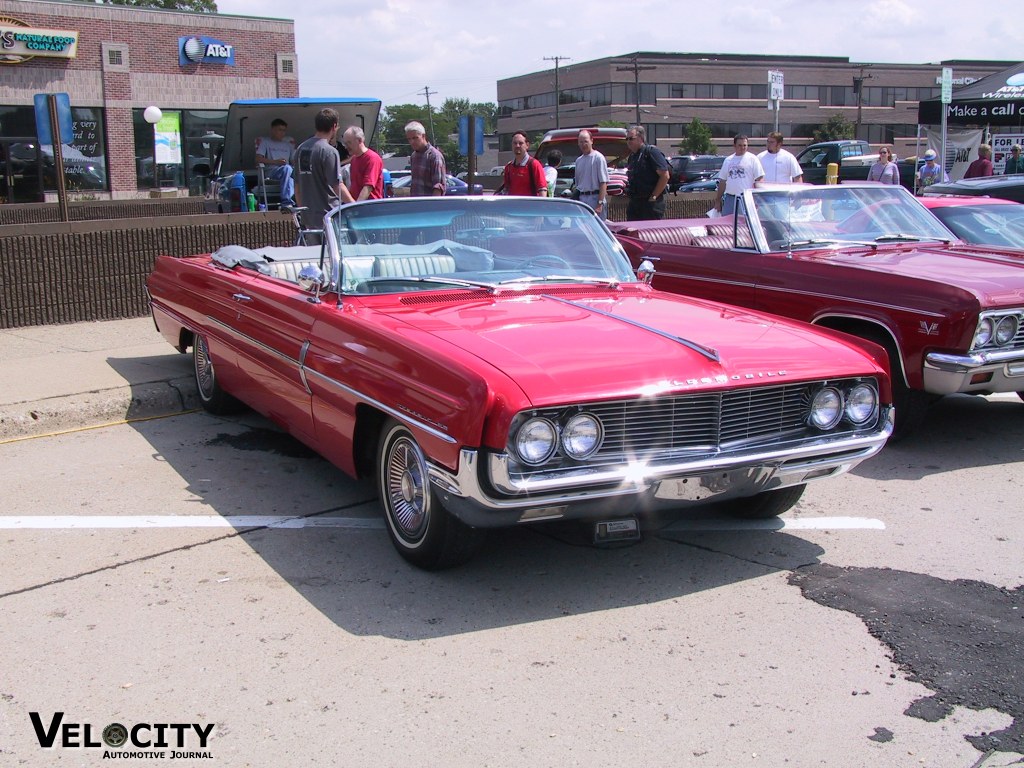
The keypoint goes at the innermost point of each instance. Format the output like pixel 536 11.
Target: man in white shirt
pixel 740 171
pixel 779 164
pixel 275 152
pixel 592 175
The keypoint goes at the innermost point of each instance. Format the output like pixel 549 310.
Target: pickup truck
pixel 854 159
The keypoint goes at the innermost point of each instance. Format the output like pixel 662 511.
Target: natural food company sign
pixel 204 50
pixel 19 42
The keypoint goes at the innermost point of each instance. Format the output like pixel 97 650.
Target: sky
pixel 394 49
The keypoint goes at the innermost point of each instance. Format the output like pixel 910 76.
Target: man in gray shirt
pixel 317 166
pixel 592 175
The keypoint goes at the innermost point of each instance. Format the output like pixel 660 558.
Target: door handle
pixel 241 297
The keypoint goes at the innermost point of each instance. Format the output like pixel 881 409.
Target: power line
pixel 558 95
pixel 430 115
pixel 635 58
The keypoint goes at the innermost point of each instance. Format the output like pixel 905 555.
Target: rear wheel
pixel 422 531
pixel 764 505
pixel 211 396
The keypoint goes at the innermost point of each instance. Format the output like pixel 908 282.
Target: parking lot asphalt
pixel 60 377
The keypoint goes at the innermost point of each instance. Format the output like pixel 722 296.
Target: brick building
pixel 729 93
pixel 114 62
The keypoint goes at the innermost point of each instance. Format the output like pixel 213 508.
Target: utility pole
pixel 558 93
pixel 635 58
pixel 430 115
pixel 858 89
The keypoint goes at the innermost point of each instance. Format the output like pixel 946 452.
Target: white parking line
pixel 780 524
pixel 84 522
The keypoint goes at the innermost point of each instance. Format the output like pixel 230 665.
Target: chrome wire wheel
pixel 406 486
pixel 205 378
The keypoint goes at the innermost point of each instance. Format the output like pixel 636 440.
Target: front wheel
pixel 211 396
pixel 422 531
pixel 764 505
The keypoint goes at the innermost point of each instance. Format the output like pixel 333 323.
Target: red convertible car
pixel 866 259
pixel 494 361
pixel 989 221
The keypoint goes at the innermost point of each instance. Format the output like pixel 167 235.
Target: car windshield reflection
pixel 816 217
pixel 428 244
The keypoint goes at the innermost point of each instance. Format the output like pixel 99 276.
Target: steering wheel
pixel 557 261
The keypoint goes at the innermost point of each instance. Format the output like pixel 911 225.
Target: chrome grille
pixel 700 423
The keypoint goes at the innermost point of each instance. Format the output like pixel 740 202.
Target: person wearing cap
pixel 931 172
pixel 1014 163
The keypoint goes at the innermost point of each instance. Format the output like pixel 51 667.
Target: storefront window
pixel 190 143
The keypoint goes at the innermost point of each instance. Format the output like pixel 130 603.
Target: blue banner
pixel 44 132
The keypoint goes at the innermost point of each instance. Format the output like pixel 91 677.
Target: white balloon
pixel 152 114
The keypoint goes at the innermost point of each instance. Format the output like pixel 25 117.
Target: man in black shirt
pixel 648 177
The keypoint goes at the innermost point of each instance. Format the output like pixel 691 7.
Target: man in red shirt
pixel 983 165
pixel 366 181
pixel 524 176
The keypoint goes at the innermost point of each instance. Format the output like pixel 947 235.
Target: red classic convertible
pixel 494 361
pixel 863 258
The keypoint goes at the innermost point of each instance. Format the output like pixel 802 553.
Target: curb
pixel 93 409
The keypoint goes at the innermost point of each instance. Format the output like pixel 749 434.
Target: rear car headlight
pixel 861 404
pixel 535 441
pixel 826 408
pixel 582 436
pixel 1006 330
pixel 983 335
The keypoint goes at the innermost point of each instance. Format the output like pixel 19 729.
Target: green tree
pixel 697 140
pixel 835 128
pixel 200 6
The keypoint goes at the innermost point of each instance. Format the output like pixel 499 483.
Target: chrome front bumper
pixel 946 374
pixel 583 494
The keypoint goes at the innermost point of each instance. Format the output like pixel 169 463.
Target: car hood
pixel 250 119
pixel 588 345
pixel 996 278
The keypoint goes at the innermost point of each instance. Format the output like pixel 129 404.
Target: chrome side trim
pixel 393 412
pixel 708 352
pixel 302 366
pixel 275 352
pixel 834 297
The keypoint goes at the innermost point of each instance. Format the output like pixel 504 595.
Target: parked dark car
pixel 684 169
pixel 703 185
pixel 455 186
pixel 1007 187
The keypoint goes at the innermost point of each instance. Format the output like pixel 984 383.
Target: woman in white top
pixel 885 170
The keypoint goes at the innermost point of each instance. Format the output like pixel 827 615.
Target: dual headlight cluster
pixel 996 330
pixel 830 404
pixel 578 435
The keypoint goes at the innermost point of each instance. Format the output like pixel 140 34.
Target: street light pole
pixel 430 114
pixel 858 89
pixel 558 93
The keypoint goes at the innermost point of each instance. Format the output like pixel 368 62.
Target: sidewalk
pixel 58 377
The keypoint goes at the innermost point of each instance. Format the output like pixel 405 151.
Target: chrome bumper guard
pixel 583 493
pixel 946 374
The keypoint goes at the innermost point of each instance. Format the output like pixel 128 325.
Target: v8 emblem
pixel 929 329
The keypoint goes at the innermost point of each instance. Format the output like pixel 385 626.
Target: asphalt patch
pixel 962 639
pixel 266 441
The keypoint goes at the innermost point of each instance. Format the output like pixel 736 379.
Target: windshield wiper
pixel 609 281
pixel 436 280
pixel 903 237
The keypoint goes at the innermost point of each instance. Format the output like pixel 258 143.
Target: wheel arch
pixel 872 330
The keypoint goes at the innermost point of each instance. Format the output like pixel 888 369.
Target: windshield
pixel 427 244
pixel 821 216
pixel 991 224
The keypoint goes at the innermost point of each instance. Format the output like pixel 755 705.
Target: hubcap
pixel 204 369
pixel 406 486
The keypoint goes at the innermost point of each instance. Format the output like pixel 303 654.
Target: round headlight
pixel 826 408
pixel 861 403
pixel 582 436
pixel 1005 331
pixel 983 335
pixel 536 441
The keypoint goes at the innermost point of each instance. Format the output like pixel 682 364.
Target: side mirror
pixel 645 272
pixel 311 279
